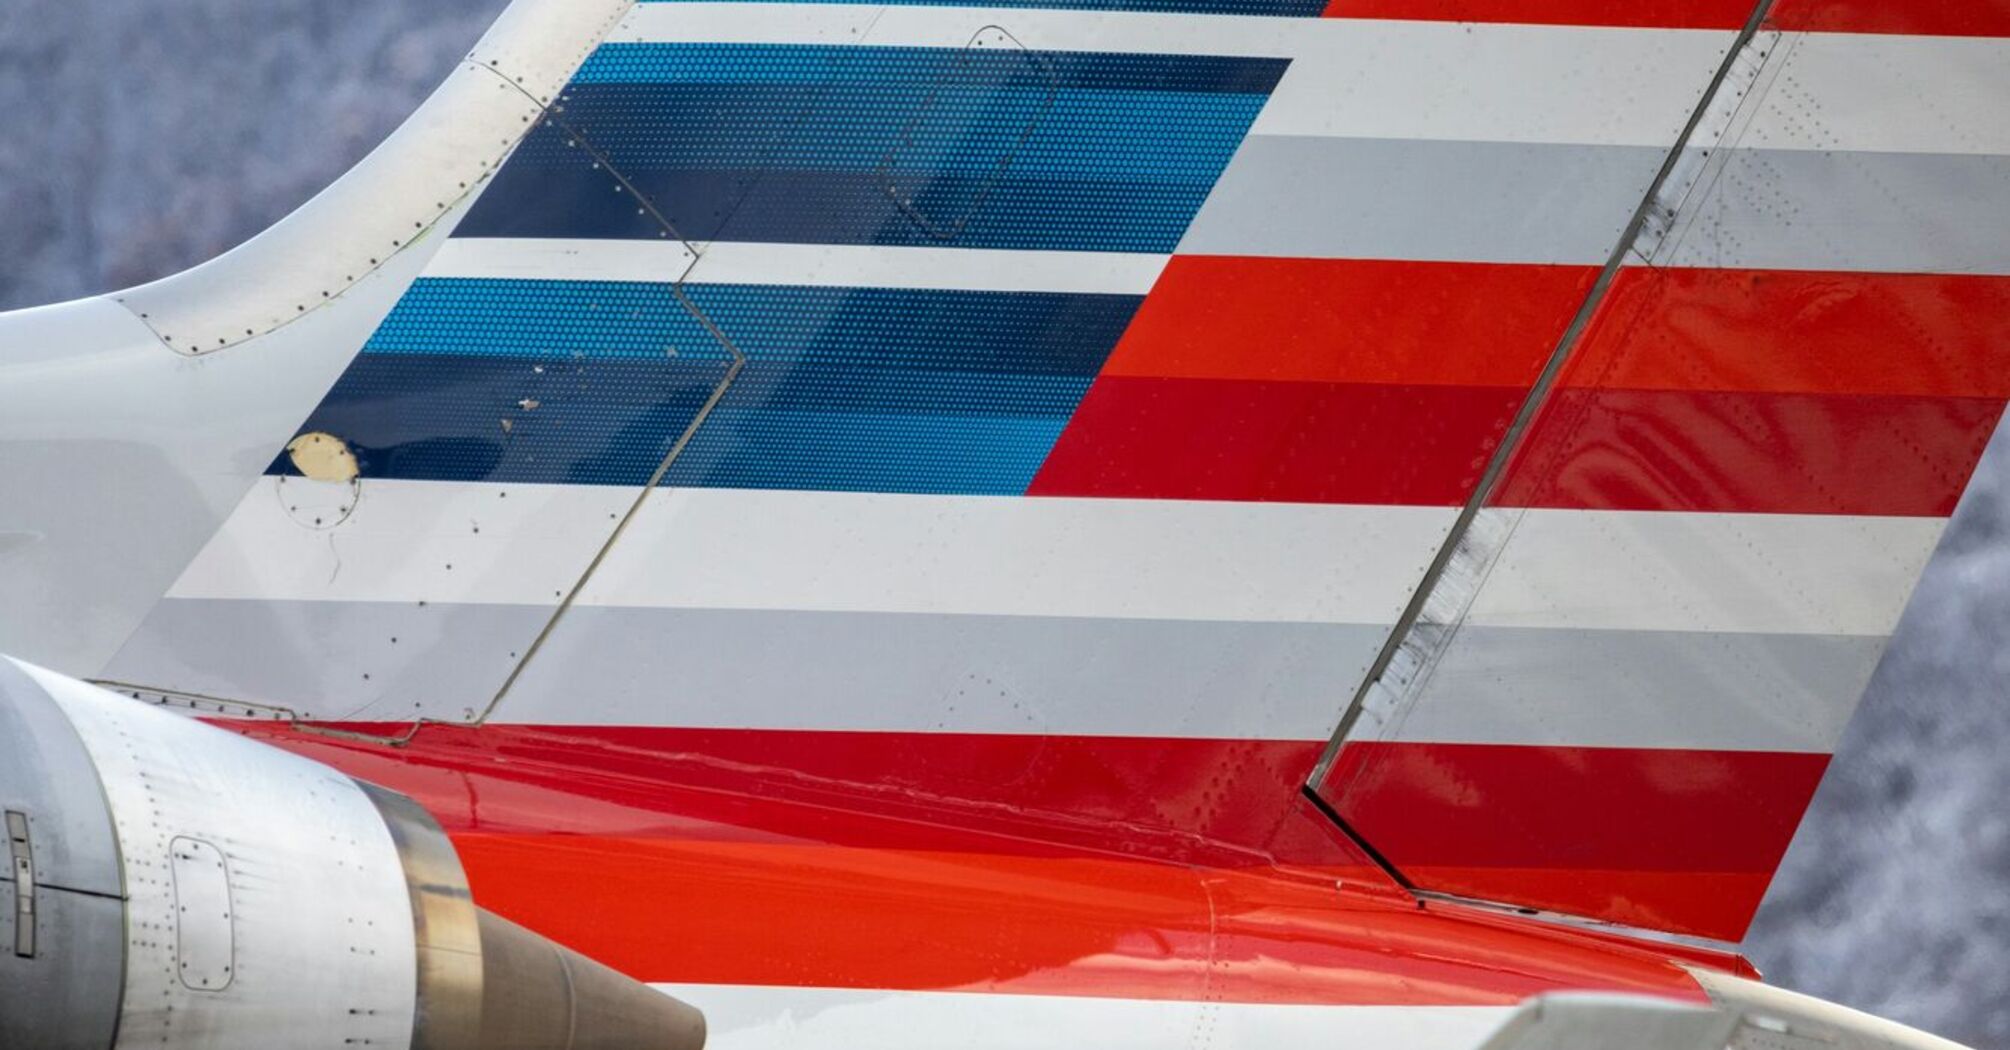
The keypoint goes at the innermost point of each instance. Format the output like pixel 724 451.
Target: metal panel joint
pixel 23 856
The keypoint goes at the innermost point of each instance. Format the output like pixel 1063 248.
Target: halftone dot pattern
pixel 870 389
pixel 486 417
pixel 902 67
pixel 945 330
pixel 543 319
pixel 985 455
pixel 997 148
pixel 720 126
pixel 816 207
pixel 874 389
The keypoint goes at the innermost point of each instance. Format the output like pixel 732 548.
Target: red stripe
pixel 1681 840
pixel 1350 321
pixel 1786 331
pixel 1921 17
pixel 905 861
pixel 1917 17
pixel 1758 453
pixel 1210 439
pixel 801 914
pixel 1156 438
pixel 1669 14
pixel 1706 390
pixel 1190 800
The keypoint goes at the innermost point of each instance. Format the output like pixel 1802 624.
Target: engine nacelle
pixel 171 884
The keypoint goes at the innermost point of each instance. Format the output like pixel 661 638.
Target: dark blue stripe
pixel 796 207
pixel 901 70
pixel 449 417
pixel 875 389
pixel 1282 8
pixel 890 146
pixel 1083 134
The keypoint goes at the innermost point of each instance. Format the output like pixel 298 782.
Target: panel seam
pixel 1519 427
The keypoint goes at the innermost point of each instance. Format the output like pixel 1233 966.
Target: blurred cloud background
pixel 145 138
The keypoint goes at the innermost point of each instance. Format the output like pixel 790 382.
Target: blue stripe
pixel 1283 8
pixel 955 331
pixel 890 146
pixel 870 388
pixel 550 320
pixel 843 452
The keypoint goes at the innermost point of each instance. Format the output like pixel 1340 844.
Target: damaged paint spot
pixel 329 486
pixel 323 457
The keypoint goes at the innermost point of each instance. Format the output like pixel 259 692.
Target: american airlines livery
pixel 1201 524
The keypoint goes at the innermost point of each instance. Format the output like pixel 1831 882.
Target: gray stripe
pixel 1420 199
pixel 904 672
pixel 997 674
pixel 1586 688
pixel 1558 203
pixel 1905 212
pixel 760 668
pixel 379 661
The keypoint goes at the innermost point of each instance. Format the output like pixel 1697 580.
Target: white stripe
pixel 1135 559
pixel 746 549
pixel 1652 570
pixel 748 1017
pixel 1351 77
pixel 409 541
pixel 851 266
pixel 556 258
pixel 1888 93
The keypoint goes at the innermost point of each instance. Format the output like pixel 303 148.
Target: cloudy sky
pixel 147 137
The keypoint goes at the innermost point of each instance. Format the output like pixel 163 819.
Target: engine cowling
pixel 171 884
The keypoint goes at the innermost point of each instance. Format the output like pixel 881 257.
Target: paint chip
pixel 323 457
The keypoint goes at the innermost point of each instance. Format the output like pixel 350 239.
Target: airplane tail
pixel 1526 435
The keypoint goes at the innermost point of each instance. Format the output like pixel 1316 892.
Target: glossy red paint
pixel 1599 449
pixel 1199 801
pixel 1350 321
pixel 1668 14
pixel 1672 839
pixel 709 868
pixel 1152 438
pixel 1695 390
pixel 1792 331
pixel 1773 391
pixel 1314 380
pixel 1920 17
pixel 1750 452
pixel 734 913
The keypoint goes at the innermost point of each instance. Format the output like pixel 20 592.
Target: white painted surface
pixel 817 265
pixel 752 1017
pixel 411 541
pixel 1655 570
pixel 756 549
